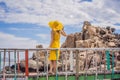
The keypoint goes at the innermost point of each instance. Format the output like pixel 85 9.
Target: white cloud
pixel 11 41
pixel 69 12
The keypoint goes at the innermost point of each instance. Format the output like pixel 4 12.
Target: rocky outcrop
pixel 93 37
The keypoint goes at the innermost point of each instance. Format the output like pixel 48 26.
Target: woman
pixel 57 30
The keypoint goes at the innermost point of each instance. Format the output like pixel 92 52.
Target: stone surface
pixel 70 41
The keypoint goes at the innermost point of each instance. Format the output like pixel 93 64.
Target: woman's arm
pixel 51 39
pixel 63 33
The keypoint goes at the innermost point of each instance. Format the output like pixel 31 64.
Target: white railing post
pixel 77 65
pixel 96 66
pixel 4 64
pixel 15 65
pixel 66 63
pixel 47 65
pixel 37 64
pixel 86 65
pixel 71 60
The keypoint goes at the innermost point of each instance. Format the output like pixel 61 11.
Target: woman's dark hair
pixel 58 31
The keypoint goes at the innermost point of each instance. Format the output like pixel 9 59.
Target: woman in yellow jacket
pixel 57 30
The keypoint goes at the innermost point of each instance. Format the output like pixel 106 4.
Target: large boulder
pixel 89 31
pixel 70 41
pixel 32 65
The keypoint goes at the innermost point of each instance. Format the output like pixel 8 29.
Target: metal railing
pixel 74 61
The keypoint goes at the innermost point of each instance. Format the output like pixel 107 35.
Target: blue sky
pixel 24 23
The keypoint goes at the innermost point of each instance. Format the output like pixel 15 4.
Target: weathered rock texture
pixel 92 37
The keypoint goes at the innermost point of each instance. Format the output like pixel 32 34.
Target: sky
pixel 24 23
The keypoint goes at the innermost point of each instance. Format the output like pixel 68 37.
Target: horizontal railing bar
pixel 60 49
pixel 59 73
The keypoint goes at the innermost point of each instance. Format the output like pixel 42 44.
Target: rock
pixel 63 45
pixel 22 63
pixel 111 44
pixel 117 68
pixel 79 44
pixel 40 55
pixel 39 46
pixel 78 36
pixel 117 36
pixel 118 43
pixel 33 64
pixel 7 68
pixel 118 57
pixel 91 30
pixel 103 67
pixel 117 65
pixel 108 37
pixel 82 56
pixel 102 32
pixel 83 43
pixel 113 30
pixel 70 41
pixel 81 65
